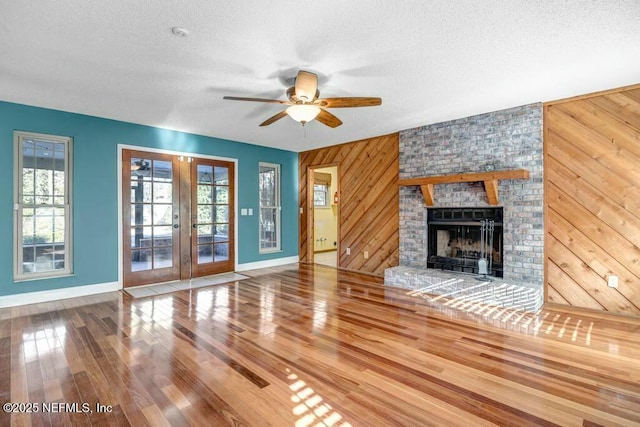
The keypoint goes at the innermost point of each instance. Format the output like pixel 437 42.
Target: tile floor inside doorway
pixel 326 258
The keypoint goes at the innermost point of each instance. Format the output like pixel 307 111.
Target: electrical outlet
pixel 612 281
pixel 348 251
pixel 366 254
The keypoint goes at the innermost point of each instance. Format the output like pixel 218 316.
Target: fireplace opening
pixel 458 238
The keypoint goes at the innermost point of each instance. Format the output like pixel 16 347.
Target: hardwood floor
pixel 308 345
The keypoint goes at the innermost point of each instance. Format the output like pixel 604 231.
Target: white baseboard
pixel 81 291
pixel 57 294
pixel 268 263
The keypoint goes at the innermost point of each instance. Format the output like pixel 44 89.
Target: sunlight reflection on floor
pixel 532 323
pixel 310 406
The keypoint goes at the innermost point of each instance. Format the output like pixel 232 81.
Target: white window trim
pixel 278 208
pixel 18 138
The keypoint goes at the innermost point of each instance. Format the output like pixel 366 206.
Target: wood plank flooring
pixel 311 346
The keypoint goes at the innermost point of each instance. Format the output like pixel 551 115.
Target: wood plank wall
pixel 592 187
pixel 368 207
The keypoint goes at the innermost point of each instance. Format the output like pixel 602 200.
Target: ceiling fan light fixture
pixel 306 104
pixel 303 113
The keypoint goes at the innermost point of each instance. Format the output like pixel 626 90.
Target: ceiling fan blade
pixel 306 86
pixel 349 102
pixel 326 118
pixel 275 118
pixel 271 101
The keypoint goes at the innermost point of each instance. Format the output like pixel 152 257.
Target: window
pixel 320 195
pixel 42 197
pixel 321 189
pixel 269 182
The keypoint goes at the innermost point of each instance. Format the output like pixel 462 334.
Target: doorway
pixel 178 217
pixel 325 215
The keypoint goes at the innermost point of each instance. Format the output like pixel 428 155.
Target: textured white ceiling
pixel 429 61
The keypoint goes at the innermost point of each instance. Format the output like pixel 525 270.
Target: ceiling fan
pixel 305 103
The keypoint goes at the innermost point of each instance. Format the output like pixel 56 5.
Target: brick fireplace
pixel 500 140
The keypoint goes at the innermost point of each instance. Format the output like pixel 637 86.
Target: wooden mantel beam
pixel 490 180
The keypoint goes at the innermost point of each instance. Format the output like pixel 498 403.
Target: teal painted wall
pixel 95 200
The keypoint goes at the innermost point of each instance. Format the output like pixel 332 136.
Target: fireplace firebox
pixel 459 238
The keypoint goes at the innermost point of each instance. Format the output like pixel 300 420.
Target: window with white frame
pixel 321 189
pixel 269 193
pixel 42 205
pixel 320 195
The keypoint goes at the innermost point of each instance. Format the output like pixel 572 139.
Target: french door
pixel 212 226
pixel 178 217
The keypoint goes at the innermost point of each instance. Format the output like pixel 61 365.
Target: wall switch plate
pixel 243 211
pixel 366 254
pixel 348 251
pixel 250 211
pixel 612 281
pixel 301 210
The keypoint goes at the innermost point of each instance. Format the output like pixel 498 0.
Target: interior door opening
pixel 178 217
pixel 324 215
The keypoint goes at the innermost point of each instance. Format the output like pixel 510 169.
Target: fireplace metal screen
pixel 459 237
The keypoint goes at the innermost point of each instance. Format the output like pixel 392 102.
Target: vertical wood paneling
pixel 368 206
pixel 592 186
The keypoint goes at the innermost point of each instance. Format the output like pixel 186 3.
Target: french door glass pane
pixel 140 169
pixel 140 190
pixel 151 214
pixel 222 213
pixel 162 171
pixel 162 236
pixel 212 213
pixel 222 195
pixel 162 214
pixel 140 237
pixel 162 192
pixel 205 254
pixel 205 174
pixel 221 175
pixel 141 260
pixel 141 214
pixel 221 252
pixel 205 234
pixel 162 257
pixel 222 233
pixel 205 214
pixel 204 194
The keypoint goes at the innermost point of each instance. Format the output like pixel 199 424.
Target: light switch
pixel 250 211
pixel 243 211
